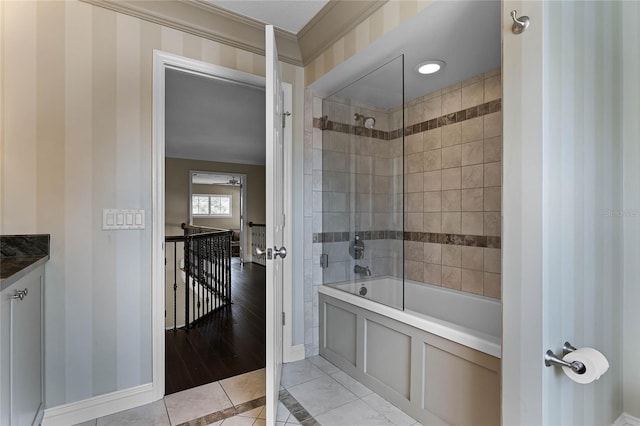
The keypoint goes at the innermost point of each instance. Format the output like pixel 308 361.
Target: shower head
pixel 366 122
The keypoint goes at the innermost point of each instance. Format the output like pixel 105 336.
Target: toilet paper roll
pixel 594 362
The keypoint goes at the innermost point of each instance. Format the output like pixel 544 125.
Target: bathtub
pixel 438 359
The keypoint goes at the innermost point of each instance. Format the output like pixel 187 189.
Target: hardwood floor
pixel 229 343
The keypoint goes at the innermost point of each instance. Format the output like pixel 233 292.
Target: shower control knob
pixel 282 252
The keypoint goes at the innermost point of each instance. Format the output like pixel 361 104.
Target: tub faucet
pixel 362 270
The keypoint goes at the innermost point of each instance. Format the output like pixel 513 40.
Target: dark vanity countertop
pixel 19 255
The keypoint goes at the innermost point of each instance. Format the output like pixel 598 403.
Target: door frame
pixel 162 61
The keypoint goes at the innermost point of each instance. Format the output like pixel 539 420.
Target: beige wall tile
pixel 493 124
pixel 492 285
pixel 451 200
pixel 414 270
pixel 432 139
pixel 472 223
pixel 473 80
pixel 433 201
pixel 432 222
pixel 414 143
pixel 432 253
pixel 493 174
pixel 364 164
pixel 472 200
pixel 414 250
pixel 415 113
pixel 414 202
pixel 451 178
pixel 381 184
pixel 451 134
pixel 472 130
pixel 451 101
pixel 492 224
pixel 472 258
pixel 415 162
pixel 451 255
pixel 415 182
pixel 492 88
pixel 433 159
pixel 451 277
pixel 451 223
pixel 432 274
pixel 472 94
pixel 493 149
pixel 414 222
pixel 454 86
pixel 472 281
pixel 472 176
pixel 432 108
pixel 492 262
pixel 472 153
pixel 451 156
pixel 433 180
pixel 492 201
pixel 382 166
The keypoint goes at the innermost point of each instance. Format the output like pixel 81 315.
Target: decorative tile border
pixel 423 237
pixel 295 408
pixel 226 413
pixel 444 120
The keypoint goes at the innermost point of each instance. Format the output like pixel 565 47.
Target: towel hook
pixel 519 24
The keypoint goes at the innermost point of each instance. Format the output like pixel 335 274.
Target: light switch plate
pixel 127 219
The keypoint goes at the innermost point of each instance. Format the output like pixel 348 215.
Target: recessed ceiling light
pixel 430 67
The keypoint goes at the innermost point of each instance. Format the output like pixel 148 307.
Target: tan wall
pixel 177 193
pixel 76 138
pixel 381 22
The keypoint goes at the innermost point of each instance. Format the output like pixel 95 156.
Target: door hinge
pixel 324 260
pixel 284 218
pixel 283 318
pixel 284 117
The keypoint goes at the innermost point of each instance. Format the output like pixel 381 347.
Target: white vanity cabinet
pixel 21 350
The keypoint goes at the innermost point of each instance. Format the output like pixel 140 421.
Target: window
pixel 211 205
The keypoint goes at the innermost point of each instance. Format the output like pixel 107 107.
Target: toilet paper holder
pixel 551 359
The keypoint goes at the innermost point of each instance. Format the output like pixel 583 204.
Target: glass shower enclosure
pixel 362 186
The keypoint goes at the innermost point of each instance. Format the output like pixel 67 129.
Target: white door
pixel 564 209
pixel 274 222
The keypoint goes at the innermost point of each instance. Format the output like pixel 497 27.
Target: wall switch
pixel 127 219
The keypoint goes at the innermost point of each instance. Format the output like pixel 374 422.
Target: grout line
pixel 224 414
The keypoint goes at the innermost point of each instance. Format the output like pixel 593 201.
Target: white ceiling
pixel 288 15
pixel 213 119
pixel 465 34
pixel 217 120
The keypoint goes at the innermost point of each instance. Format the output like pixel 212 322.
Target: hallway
pixel 231 342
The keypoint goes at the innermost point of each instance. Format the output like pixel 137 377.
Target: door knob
pixel 260 252
pixel 282 252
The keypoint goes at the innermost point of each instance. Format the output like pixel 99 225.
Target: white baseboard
pixel 98 406
pixel 627 420
pixel 295 353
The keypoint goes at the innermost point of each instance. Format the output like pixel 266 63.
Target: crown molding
pixel 207 21
pixel 333 22
pixel 211 22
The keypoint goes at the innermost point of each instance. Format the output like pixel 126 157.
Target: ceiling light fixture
pixel 430 67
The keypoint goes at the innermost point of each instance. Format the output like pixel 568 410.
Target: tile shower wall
pixel 452 191
pixel 312 221
pixel 361 192
pixel 453 166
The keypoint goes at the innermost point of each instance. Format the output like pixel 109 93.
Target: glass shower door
pixel 362 186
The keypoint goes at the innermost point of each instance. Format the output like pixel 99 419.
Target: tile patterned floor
pixel 313 392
